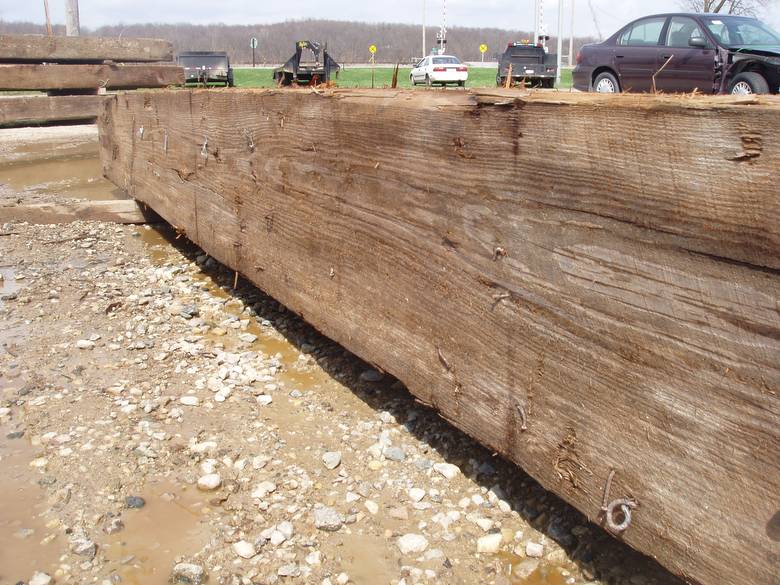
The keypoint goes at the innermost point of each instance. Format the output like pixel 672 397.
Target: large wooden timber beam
pixel 41 48
pixel 585 284
pixel 124 211
pixel 25 110
pixel 110 76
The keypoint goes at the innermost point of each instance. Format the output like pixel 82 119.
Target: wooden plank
pixel 582 283
pixel 26 110
pixel 113 76
pixel 124 211
pixel 41 48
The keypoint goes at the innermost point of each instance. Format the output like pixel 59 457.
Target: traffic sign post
pixel 253 44
pixel 483 49
pixel 372 50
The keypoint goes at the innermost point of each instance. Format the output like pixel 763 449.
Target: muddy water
pixel 8 283
pixel 27 544
pixel 166 527
pixel 72 171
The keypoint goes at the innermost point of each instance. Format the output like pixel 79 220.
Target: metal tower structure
pixel 441 36
pixel 538 20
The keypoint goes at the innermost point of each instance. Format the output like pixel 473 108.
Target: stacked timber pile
pixel 74 71
pixel 587 284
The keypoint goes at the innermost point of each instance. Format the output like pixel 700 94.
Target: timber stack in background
pixel 75 72
pixel 586 284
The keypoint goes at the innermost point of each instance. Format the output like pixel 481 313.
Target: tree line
pixel 347 42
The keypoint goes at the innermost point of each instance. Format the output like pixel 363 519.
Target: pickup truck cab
pixel 531 64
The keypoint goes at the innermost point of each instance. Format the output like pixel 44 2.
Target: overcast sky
pixel 609 14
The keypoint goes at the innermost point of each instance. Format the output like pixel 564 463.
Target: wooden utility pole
pixel 72 18
pixel 48 18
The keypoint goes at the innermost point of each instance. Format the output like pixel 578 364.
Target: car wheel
pixel 606 83
pixel 461 84
pixel 748 83
pixel 428 81
pixel 412 81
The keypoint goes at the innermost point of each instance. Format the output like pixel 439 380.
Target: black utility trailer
pixel 299 72
pixel 531 64
pixel 206 67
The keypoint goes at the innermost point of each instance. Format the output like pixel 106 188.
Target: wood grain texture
pixel 42 48
pixel 606 265
pixel 125 211
pixel 114 76
pixel 23 110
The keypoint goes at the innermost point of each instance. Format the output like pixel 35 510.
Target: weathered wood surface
pixel 126 211
pixel 23 110
pixel 111 76
pixel 42 48
pixel 605 266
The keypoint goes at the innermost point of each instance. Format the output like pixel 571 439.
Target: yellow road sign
pixel 483 48
pixel 372 49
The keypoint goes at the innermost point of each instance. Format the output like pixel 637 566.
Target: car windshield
pixel 743 32
pixel 446 61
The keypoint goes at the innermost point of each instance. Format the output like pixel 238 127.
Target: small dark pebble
pixel 135 502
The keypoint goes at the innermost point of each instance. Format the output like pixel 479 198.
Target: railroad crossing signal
pixel 483 48
pixel 372 49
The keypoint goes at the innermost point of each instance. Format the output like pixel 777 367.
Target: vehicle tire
pixel 747 83
pixel 461 84
pixel 412 81
pixel 428 81
pixel 606 83
pixel 230 82
pixel 500 81
pixel 548 83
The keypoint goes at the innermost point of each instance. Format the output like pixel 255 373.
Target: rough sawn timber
pixel 125 211
pixel 41 48
pixel 110 76
pixel 604 267
pixel 21 110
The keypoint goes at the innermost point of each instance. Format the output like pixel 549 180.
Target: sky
pixel 607 15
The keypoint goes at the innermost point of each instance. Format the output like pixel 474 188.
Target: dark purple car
pixel 712 53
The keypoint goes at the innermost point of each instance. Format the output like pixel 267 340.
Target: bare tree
pixel 742 7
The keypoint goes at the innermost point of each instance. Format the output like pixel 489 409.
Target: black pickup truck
pixel 206 67
pixel 531 64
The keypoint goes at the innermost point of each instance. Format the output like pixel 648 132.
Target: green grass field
pixel 383 76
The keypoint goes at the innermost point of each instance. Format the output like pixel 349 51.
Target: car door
pixel 688 67
pixel 419 72
pixel 637 52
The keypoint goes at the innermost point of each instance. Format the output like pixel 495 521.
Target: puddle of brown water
pixel 169 525
pixel 545 573
pixel 8 282
pixel 73 172
pixel 366 559
pixel 26 544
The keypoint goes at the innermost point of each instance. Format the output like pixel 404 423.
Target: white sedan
pixel 442 69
